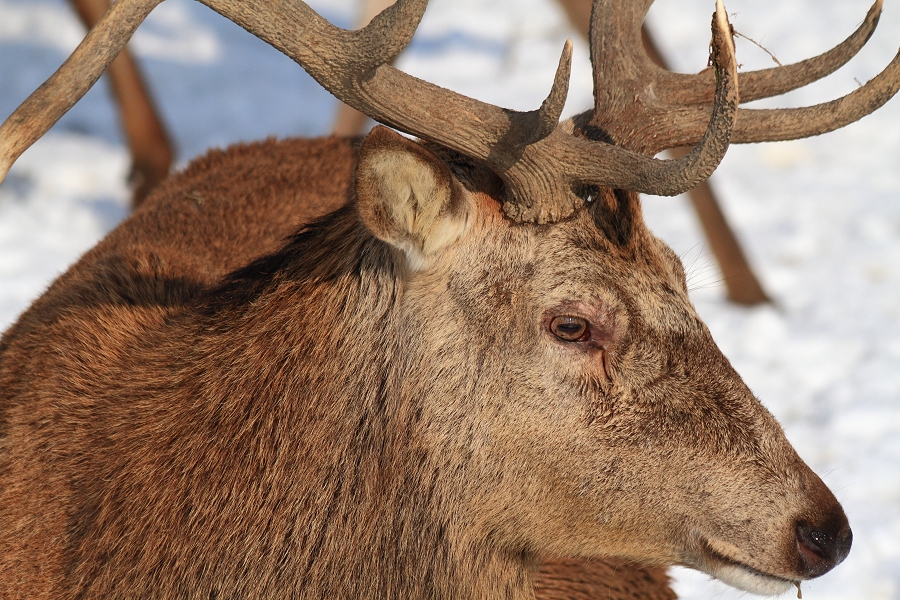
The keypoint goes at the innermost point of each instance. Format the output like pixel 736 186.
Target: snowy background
pixel 819 218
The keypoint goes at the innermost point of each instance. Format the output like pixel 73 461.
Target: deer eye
pixel 570 329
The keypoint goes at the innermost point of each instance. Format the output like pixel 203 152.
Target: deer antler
pixel 534 158
pixel 649 109
pixel 542 164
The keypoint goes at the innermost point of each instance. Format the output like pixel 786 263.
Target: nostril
pixel 813 541
pixel 822 548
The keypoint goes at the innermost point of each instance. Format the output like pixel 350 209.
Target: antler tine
pixel 780 124
pixel 540 123
pixel 678 88
pixel 774 125
pixel 46 105
pixel 338 59
pixel 776 81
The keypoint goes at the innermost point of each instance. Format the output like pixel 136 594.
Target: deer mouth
pixel 738 574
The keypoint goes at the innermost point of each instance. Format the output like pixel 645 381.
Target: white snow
pixel 820 218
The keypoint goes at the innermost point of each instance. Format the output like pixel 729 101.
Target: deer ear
pixel 408 197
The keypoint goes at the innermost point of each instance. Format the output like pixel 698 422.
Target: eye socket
pixel 570 329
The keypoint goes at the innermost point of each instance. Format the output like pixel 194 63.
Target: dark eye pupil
pixel 569 329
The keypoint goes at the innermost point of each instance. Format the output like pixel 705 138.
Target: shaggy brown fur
pixel 377 408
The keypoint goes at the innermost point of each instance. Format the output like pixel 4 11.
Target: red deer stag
pixel 387 369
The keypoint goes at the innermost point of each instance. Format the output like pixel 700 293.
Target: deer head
pixel 484 358
pixel 586 398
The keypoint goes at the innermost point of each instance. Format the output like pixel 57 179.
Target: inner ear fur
pixel 408 197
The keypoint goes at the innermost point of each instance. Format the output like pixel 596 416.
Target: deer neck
pixel 371 514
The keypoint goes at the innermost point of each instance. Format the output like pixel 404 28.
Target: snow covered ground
pixel 820 218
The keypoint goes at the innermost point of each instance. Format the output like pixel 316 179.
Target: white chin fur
pixel 750 581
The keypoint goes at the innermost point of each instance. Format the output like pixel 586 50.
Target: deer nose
pixel 821 548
